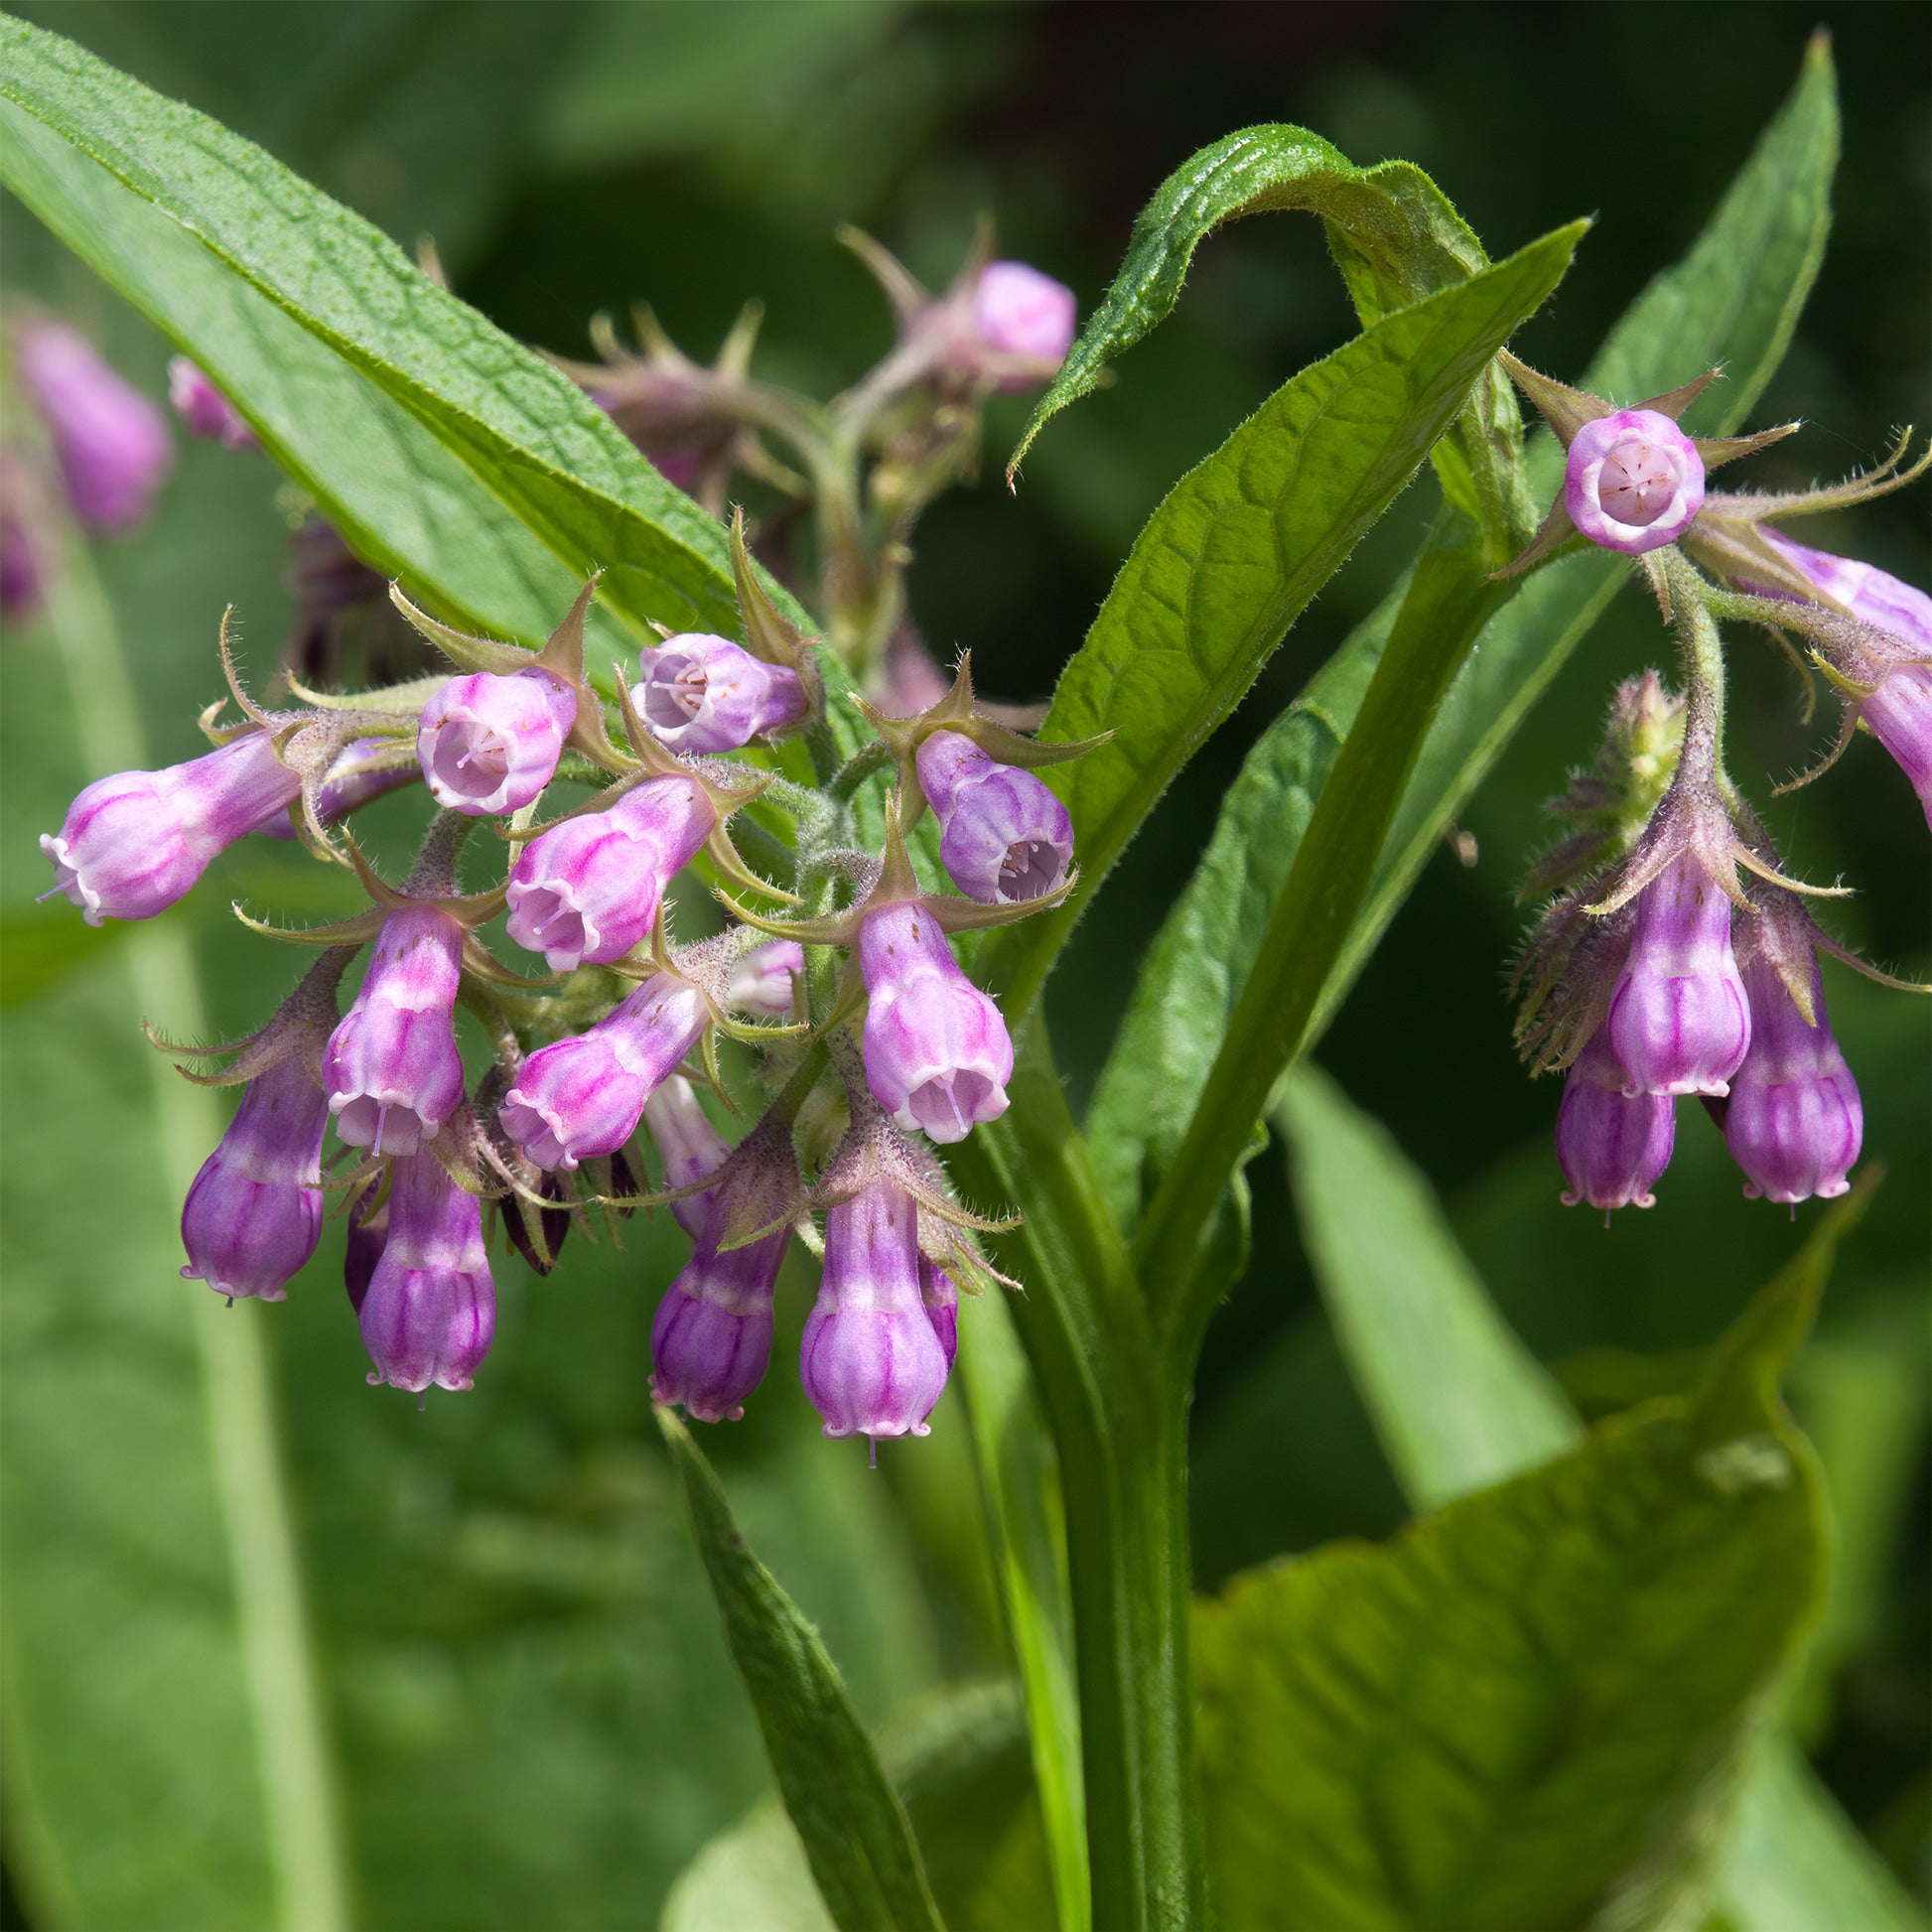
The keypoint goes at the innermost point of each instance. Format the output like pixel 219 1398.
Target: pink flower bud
pixel 1612 1145
pixel 110 441
pixel 873 1361
pixel 253 1215
pixel 763 980
pixel 1004 836
pixel 1679 1019
pixel 1633 481
pixel 1794 1121
pixel 1017 311
pixel 430 1310
pixel 489 743
pixel 704 694
pixel 691 1147
pixel 391 1067
pixel 937 1055
pixel 203 409
pixel 134 843
pixel 583 1097
pixel 589 888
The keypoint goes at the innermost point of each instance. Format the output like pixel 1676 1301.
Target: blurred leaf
pixel 1458 1402
pixel 1241 544
pixel 959 1759
pixel 1736 296
pixel 1526 1710
pixel 1395 234
pixel 1019 1477
pixel 111 167
pixel 853 1824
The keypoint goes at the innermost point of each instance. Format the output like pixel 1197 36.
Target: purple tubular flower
pixel 589 888
pixel 253 1215
pixel 392 1066
pixel 763 980
pixel 489 743
pixel 203 409
pixel 1679 1019
pixel 430 1310
pixel 1899 712
pixel 1004 836
pixel 872 1361
pixel 110 441
pixel 941 1297
pixel 705 694
pixel 1633 481
pixel 352 780
pixel 691 1147
pixel 134 843
pixel 1017 311
pixel 712 1339
pixel 1794 1121
pixel 937 1054
pixel 583 1097
pixel 1612 1145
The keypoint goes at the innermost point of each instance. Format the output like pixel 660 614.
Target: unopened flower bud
pixel 391 1067
pixel 1004 836
pixel 431 1307
pixel 691 1147
pixel 1794 1121
pixel 203 409
pixel 940 1294
pixel 134 843
pixel 1017 311
pixel 937 1054
pixel 872 1360
pixel 582 1097
pixel 110 441
pixel 1679 1019
pixel 705 694
pixel 253 1214
pixel 761 982
pixel 1633 481
pixel 1612 1145
pixel 588 890
pixel 489 743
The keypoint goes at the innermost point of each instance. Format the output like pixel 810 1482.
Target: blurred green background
pixel 535 1718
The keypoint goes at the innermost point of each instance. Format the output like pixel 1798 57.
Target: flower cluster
pixel 1677 956
pixel 603 1035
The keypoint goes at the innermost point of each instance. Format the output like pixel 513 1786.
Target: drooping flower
pixel 706 694
pixel 589 888
pixel 489 743
pixel 582 1097
pixel 872 1361
pixel 430 1309
pixel 132 844
pixel 1612 1144
pixel 203 409
pixel 1004 836
pixel 110 442
pixel 937 1054
pixel 391 1067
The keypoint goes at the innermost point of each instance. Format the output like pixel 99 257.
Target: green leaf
pixel 1457 1401
pixel 1527 1709
pixel 1734 296
pixel 1395 234
pixel 853 1824
pixel 959 1759
pixel 120 174
pixel 1240 545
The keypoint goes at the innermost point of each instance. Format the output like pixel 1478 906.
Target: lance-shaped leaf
pixel 1240 546
pixel 851 1820
pixel 1529 1708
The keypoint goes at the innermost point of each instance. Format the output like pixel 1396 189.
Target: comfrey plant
pixel 724 902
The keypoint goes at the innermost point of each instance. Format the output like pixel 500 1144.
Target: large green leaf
pixel 1528 1708
pixel 959 1759
pixel 1238 548
pixel 113 168
pixel 1733 297
pixel 848 1814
